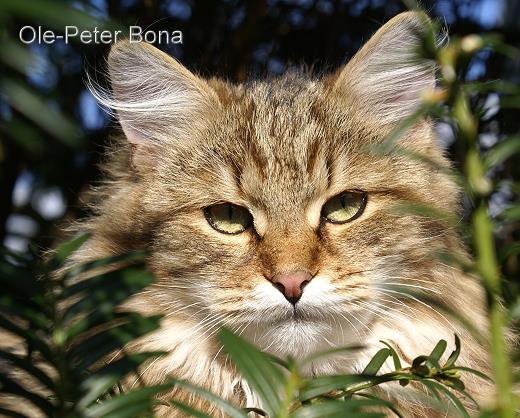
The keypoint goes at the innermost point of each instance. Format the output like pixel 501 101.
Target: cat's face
pixel 272 212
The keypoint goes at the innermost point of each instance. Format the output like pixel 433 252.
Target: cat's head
pixel 268 208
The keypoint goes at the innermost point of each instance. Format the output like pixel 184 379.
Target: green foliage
pixel 70 322
pixel 69 318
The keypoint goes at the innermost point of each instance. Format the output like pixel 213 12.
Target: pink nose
pixel 291 284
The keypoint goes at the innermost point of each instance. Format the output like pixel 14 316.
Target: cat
pixel 265 209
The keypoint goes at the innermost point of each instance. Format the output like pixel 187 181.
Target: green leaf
pixel 473 371
pixel 322 385
pixel 109 375
pixel 326 353
pixel 510 102
pixel 223 405
pixel 339 409
pixel 24 135
pixel 265 378
pixel 131 258
pixel 25 310
pixel 514 309
pixel 132 409
pixel 257 411
pixel 93 320
pixel 128 405
pixel 437 353
pixel 418 361
pixel 384 402
pixel 377 361
pixel 50 13
pixel 431 389
pixel 492 86
pixel 16 56
pixel 99 345
pixel 38 110
pixel 509 250
pixel 395 356
pixel 189 410
pixel 459 407
pixel 426 211
pixel 66 249
pixel 502 151
pixel 454 355
pixel 511 214
pixel 106 291
pixel 387 147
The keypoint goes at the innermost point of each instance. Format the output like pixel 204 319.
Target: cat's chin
pixel 310 326
pixel 293 336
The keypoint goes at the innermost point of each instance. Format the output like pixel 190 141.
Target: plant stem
pixel 488 267
pixel 291 387
pixel 482 231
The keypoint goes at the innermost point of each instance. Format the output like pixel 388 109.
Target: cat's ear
pixel 157 101
pixel 387 76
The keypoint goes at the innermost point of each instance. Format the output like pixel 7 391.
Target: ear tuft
pixel 387 76
pixel 155 98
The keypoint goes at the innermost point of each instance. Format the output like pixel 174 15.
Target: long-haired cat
pixel 265 209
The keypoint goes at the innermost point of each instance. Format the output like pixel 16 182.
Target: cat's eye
pixel 344 207
pixel 228 218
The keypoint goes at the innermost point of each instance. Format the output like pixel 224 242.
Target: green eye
pixel 344 207
pixel 228 218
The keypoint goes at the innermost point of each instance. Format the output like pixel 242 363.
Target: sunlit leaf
pixel 265 378
pixel 438 351
pixel 377 361
pixel 223 405
pixel 395 356
pixel 455 354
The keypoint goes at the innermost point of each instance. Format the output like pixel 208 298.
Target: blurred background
pixel 52 132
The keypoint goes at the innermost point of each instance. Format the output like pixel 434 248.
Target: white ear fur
pixel 386 76
pixel 155 98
